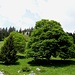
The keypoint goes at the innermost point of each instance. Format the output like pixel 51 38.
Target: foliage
pixel 8 52
pixel 26 68
pixel 19 41
pixel 48 39
pixel 0 34
pixel 72 35
pixel 1 44
pixel 66 47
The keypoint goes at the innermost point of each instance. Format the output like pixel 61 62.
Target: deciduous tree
pixel 49 39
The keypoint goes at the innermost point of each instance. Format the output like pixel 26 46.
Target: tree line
pixel 4 32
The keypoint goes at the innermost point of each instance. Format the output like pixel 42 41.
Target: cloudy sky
pixel 25 13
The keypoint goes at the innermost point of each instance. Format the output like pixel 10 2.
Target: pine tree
pixel 8 52
pixel 0 34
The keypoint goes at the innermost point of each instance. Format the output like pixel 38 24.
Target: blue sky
pixel 25 13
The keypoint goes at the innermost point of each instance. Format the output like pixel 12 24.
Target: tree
pixel 20 31
pixel 19 41
pixel 0 34
pixel 48 39
pixel 8 52
pixel 73 37
pixel 6 30
pixel 11 29
pixel 4 33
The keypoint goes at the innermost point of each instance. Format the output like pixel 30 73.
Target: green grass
pixel 58 67
pixel 54 67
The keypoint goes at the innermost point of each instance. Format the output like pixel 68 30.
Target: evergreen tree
pixel 8 52
pixel 11 29
pixel 6 30
pixel 20 31
pixel 0 34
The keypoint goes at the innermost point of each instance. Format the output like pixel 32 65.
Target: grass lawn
pixel 54 67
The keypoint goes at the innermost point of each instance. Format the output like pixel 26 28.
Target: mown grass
pixel 55 66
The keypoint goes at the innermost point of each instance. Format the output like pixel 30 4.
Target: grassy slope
pixel 55 67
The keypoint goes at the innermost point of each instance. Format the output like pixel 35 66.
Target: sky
pixel 25 13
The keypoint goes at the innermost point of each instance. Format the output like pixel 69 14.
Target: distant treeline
pixel 4 32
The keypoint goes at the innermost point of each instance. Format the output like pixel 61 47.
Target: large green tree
pixel 49 39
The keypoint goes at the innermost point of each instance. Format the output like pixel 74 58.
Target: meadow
pixel 55 66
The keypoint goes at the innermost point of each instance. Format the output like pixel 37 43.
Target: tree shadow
pixel 16 63
pixel 21 57
pixel 49 63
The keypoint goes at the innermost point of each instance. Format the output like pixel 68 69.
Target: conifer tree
pixel 8 52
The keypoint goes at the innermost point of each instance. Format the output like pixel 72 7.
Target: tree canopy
pixel 49 39
pixel 19 41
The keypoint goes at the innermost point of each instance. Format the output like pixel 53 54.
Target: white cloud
pixel 24 13
pixel 25 23
pixel 14 10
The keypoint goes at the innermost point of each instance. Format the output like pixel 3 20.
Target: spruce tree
pixel 8 52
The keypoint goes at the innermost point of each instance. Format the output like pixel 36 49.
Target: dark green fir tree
pixel 8 52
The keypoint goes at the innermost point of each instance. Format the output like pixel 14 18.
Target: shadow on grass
pixel 55 63
pixel 21 57
pixel 16 63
